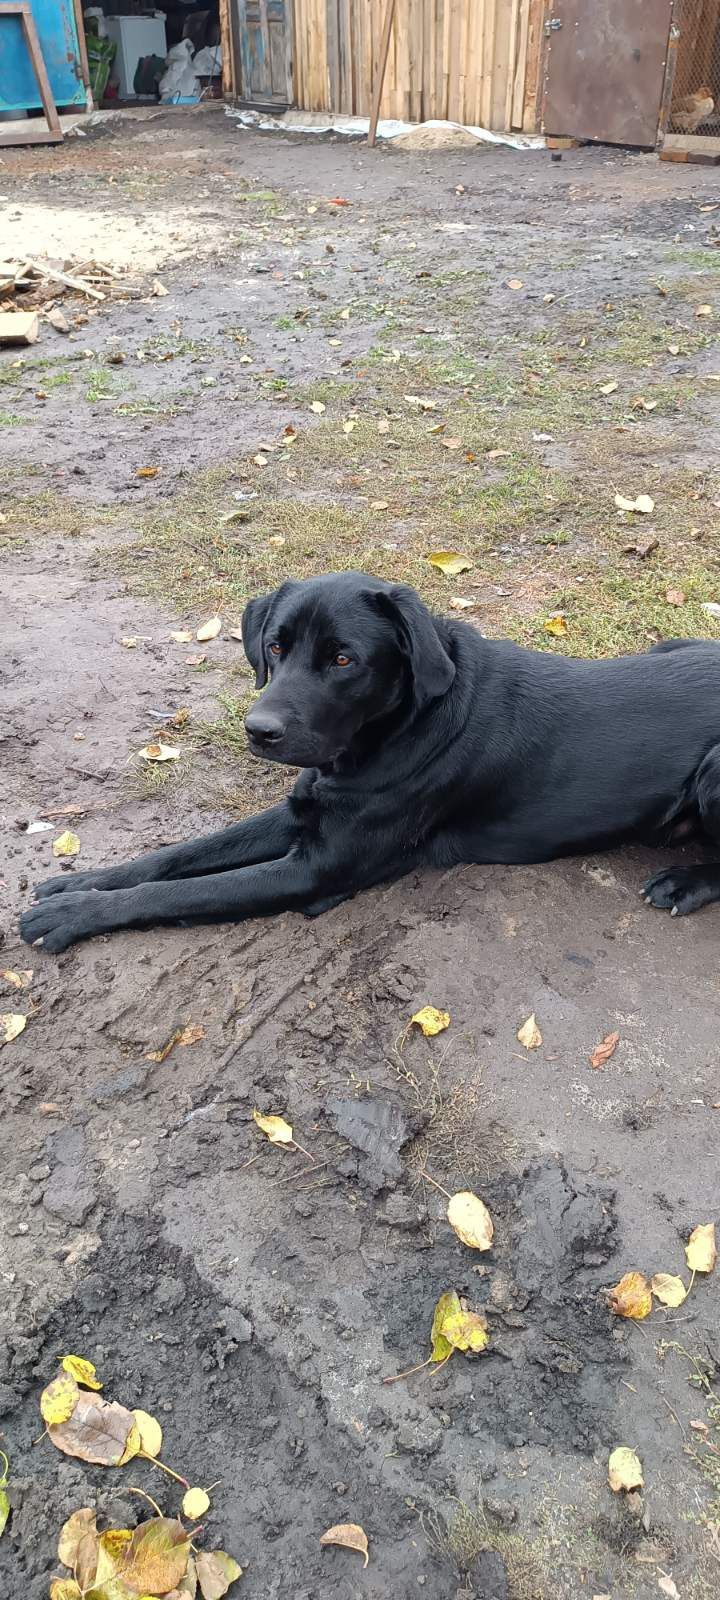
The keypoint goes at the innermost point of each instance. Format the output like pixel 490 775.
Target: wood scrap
pixel 80 284
pixel 18 327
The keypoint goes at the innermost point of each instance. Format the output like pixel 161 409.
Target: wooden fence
pixel 472 61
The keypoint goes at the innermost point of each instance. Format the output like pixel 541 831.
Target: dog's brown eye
pixel 342 661
pixel 275 648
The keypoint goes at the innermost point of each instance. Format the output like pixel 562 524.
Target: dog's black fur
pixel 425 744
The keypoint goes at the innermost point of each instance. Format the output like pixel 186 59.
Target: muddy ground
pixel 250 1299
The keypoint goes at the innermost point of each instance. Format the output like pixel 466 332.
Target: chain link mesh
pixel 695 105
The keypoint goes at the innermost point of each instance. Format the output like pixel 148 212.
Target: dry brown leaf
pixel 670 1291
pixel 191 1034
pixel 450 562
pixel 65 1589
pixel 96 1431
pixel 556 625
pixel 12 1024
pixel 195 661
pixel 675 597
pixel 215 1572
pixel 260 459
pixel 631 1297
pixel 704 311
pixel 182 636
pixel 700 1250
pixel 73 1532
pixel 515 283
pixel 66 844
pixel 378 505
pixel 548 299
pixel 209 630
pixel 18 980
pixel 529 1034
pixel 604 1050
pixel 459 603
pixel 236 633
pixel 383 425
pixel 277 1130
pixel 639 403
pixel 497 455
pixel 673 349
pixel 668 1586
pixel 317 406
pixel 160 752
pixel 129 642
pixel 431 1021
pixel 349 424
pixel 609 388
pixel 624 1470
pixel 147 472
pixel 421 402
pixel 470 1220
pixel 451 444
pixel 157 1556
pixel 350 1535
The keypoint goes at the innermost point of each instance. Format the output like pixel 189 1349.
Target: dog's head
pixel 341 652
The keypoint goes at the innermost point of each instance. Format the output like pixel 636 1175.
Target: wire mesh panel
pixel 695 105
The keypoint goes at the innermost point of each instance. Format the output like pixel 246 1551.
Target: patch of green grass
pixel 102 385
pixel 146 408
pixel 9 419
pixel 704 1451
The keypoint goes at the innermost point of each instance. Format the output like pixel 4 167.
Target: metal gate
pixel 604 69
pixel 56 24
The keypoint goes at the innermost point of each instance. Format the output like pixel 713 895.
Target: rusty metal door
pixel 604 69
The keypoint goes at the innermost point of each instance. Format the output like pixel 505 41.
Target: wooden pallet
pixel 32 133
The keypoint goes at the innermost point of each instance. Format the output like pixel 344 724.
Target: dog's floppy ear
pixel 254 618
pixel 431 667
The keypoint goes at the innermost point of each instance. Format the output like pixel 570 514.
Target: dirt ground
pixel 249 1298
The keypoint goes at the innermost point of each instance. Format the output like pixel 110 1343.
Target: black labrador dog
pixel 425 744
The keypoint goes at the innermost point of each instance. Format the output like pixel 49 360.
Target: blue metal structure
pixel 57 32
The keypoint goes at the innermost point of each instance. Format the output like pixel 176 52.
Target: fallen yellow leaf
pixel 668 1290
pixel 351 1536
pixel 12 1023
pixel 556 625
pixel 150 1432
pixel 642 503
pixel 700 1250
pixel 378 505
pixel 451 444
pixel 59 1399
pixel 260 459
pixel 624 1470
pixel 431 1021
pixel 515 283
pixel 449 562
pixel 156 1559
pixel 195 1503
pixel 349 424
pixel 18 980
pixel 673 349
pixel 277 1129
pixel 631 1297
pixel 65 1589
pixel 129 643
pixel 66 844
pixel 529 1034
pixel 704 311
pixel 133 1446
pixel 447 1306
pixel 497 455
pixel 82 1371
pixel 466 1330
pixel 317 406
pixel 459 603
pixel 383 425
pixel 160 752
pixel 421 402
pixel 147 472
pixel 182 636
pixel 470 1220
pixel 609 388
pixel 209 630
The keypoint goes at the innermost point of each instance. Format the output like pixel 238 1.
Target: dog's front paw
pixel 681 890
pixel 68 883
pixel 61 920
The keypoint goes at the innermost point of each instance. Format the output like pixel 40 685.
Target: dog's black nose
pixel 263 727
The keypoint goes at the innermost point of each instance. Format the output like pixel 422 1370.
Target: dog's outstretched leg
pixel 681 890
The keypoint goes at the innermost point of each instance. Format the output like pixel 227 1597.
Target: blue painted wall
pixel 55 23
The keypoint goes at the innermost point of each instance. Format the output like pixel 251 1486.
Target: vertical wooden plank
pixel 518 92
pixel 416 59
pixel 488 62
pixel 37 59
pixel 380 71
pixel 513 37
pixel 82 46
pixel 445 60
pixel 532 114
pixel 396 99
pixel 334 48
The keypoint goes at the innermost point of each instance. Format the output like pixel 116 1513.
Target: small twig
pixel 436 1185
pixel 396 1376
pixel 156 1462
pixel 306 1172
pixel 305 1152
pixel 147 1497
pixel 249 1163
pixel 441 1364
